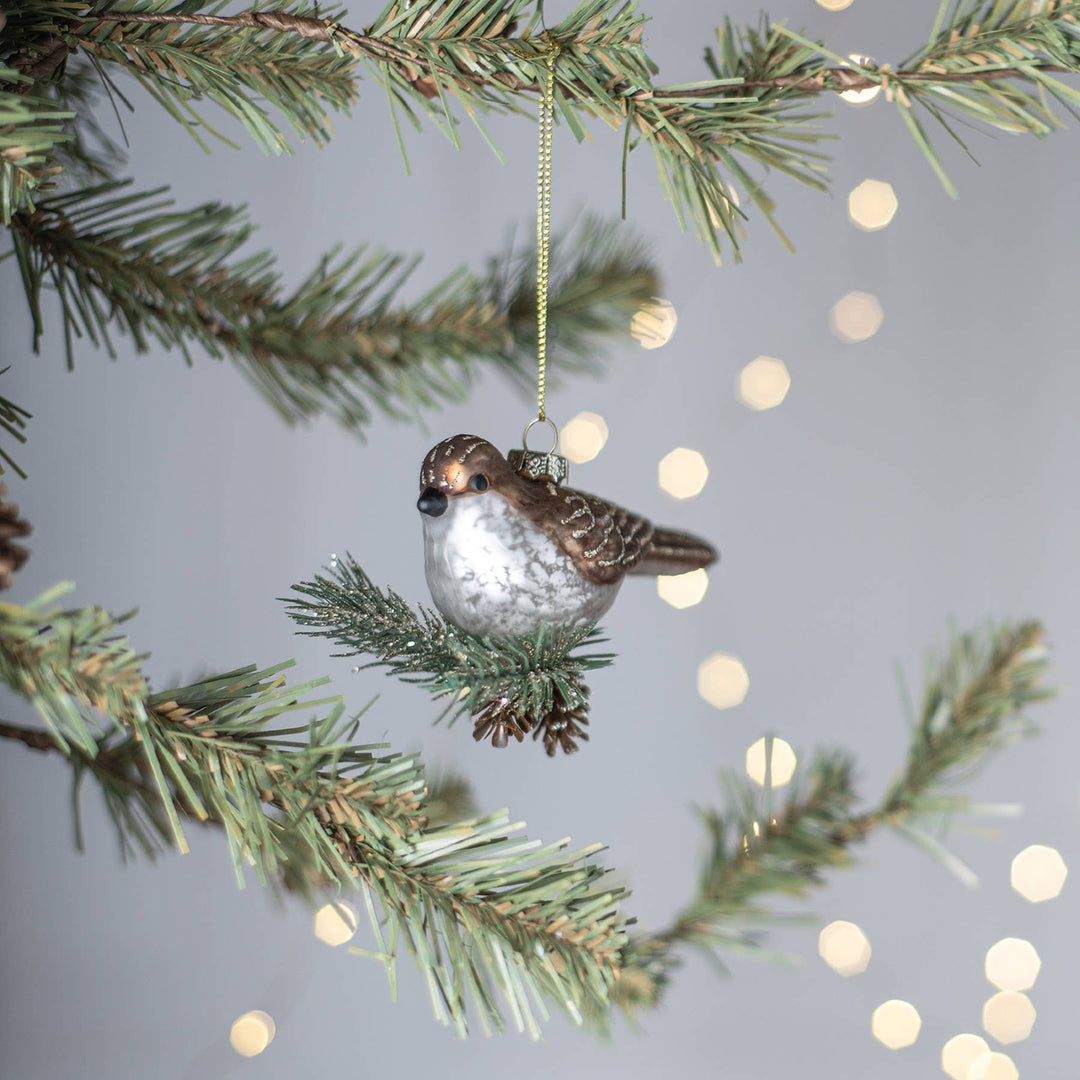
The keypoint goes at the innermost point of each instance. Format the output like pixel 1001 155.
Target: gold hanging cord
pixel 537 464
pixel 543 223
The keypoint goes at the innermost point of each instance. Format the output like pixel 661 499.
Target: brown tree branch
pixel 834 79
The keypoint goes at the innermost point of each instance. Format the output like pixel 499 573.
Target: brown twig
pixel 835 79
pixel 35 738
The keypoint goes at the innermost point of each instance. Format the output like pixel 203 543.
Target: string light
pixel 1009 1016
pixel 844 947
pixel 993 1067
pixel 336 923
pixel 872 205
pixel 654 323
pixel 722 681
pixel 763 383
pixel 1038 873
pixel 1012 964
pixel 959 1052
pixel 861 97
pixel 783 762
pixel 683 590
pixel 856 317
pixel 683 473
pixel 252 1033
pixel 583 437
pixel 896 1024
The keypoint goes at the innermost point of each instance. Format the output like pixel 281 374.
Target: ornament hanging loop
pixel 539 464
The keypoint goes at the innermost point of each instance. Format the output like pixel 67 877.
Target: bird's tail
pixel 671 552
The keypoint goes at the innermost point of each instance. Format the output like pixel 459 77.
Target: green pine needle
pixel 341 342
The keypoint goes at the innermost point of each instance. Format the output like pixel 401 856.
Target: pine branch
pixel 340 342
pixel 31 128
pixel 496 923
pixel 511 686
pixel 703 134
pixel 482 912
pixel 973 704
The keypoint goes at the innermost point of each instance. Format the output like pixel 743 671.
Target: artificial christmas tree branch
pixel 484 914
pixel 981 56
pixel 974 703
pixel 339 343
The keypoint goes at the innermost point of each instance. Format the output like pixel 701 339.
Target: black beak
pixel 431 501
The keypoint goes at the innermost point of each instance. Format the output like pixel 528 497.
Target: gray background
pixel 927 474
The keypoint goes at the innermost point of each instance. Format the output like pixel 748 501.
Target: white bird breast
pixel 491 571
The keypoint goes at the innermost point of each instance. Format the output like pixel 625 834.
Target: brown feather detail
pixel 603 540
pixel 671 552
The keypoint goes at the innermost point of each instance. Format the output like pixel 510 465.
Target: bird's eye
pixel 479 482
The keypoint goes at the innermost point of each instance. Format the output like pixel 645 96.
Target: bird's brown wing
pixel 603 540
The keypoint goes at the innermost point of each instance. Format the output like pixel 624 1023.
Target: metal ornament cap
pixel 539 464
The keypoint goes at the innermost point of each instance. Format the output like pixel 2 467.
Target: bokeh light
pixel 896 1024
pixel 722 681
pixel 844 947
pixel 654 323
pixel 1038 873
pixel 959 1052
pixel 1008 1016
pixel 252 1033
pixel 683 590
pixel 335 923
pixel 783 762
pixel 1012 964
pixel 856 317
pixel 835 5
pixel 861 97
pixel 763 383
pixel 683 473
pixel 583 437
pixel 872 205
pixel 993 1067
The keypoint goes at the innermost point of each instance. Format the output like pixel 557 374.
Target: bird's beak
pixel 432 502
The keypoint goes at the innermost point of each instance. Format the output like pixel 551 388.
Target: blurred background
pixel 924 474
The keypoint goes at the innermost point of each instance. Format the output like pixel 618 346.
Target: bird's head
pixel 459 468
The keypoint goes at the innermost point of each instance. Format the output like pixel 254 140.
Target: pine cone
pixel 499 721
pixel 12 555
pixel 563 725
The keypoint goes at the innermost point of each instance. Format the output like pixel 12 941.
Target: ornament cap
pixel 536 465
pixel 539 464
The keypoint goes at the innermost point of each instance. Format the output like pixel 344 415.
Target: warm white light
pixel 654 323
pixel 1012 964
pixel 335 923
pixel 835 5
pixel 844 947
pixel 993 1067
pixel 872 205
pixel 583 437
pixel 252 1033
pixel 763 383
pixel 856 317
pixel 959 1052
pixel 1038 873
pixel 1008 1016
pixel 860 97
pixel 683 473
pixel 683 590
pixel 783 762
pixel 896 1024
pixel 722 681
